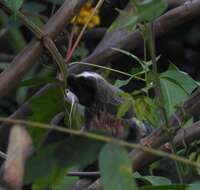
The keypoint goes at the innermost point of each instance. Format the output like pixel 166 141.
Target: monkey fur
pixel 102 101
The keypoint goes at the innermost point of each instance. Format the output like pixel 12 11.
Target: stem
pixel 158 93
pixel 107 68
pixel 14 37
pixel 101 138
pixel 98 5
pixel 142 30
pixel 48 43
pixel 84 174
pixel 70 41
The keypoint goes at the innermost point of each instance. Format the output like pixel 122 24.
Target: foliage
pixel 56 154
pixel 115 157
pixel 15 5
pixel 50 165
pixel 144 12
pixel 176 86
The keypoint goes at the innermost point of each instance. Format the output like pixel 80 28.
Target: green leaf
pixel 176 86
pixel 127 20
pixel 116 168
pixel 153 180
pixel 44 108
pixel 147 110
pixel 14 4
pixel 172 94
pixel 194 186
pixel 36 81
pixel 123 108
pixel 173 67
pixel 41 165
pixel 34 7
pixel 180 78
pixel 151 9
pixel 120 83
pixel 50 164
pixel 65 182
pixel 14 37
pixel 198 161
pixel 157 180
pixel 146 11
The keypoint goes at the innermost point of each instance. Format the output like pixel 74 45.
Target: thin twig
pixel 84 174
pixel 48 43
pixel 159 94
pixel 101 138
pixel 27 57
pixel 98 5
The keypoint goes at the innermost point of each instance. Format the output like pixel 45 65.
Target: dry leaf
pixel 19 148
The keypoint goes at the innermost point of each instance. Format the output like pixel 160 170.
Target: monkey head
pixel 84 87
pixel 93 91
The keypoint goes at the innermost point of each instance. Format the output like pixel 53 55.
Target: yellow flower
pixel 83 16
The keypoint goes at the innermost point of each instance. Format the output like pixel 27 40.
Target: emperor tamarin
pixel 102 101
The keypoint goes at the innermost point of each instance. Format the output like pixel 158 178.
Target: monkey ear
pixel 84 88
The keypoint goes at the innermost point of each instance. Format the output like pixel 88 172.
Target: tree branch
pixel 178 15
pixel 132 41
pixel 184 137
pixel 27 58
pixel 24 61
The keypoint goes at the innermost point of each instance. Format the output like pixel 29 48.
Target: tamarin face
pixel 84 87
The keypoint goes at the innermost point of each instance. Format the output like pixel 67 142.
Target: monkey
pixel 102 101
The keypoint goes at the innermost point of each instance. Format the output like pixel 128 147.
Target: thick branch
pixel 22 112
pixel 26 59
pixel 99 58
pixel 175 3
pixel 131 42
pixel 189 108
pixel 184 137
pixel 159 137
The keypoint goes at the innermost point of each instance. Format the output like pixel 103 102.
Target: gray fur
pixel 101 96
